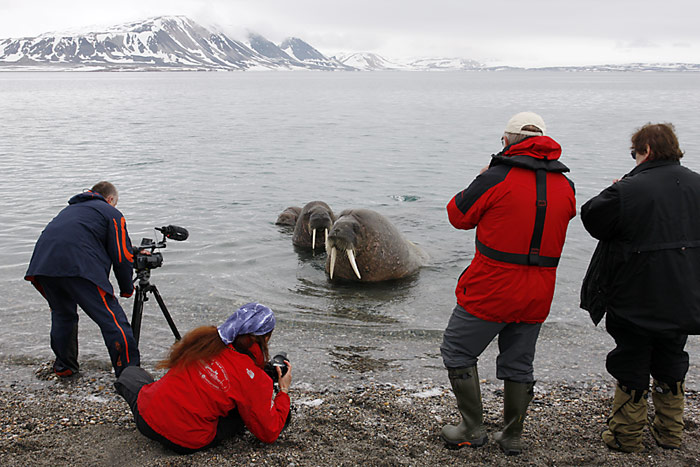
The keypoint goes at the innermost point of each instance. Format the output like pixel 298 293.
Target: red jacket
pixel 185 405
pixel 512 275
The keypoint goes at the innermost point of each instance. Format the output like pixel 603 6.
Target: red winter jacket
pixel 185 405
pixel 512 275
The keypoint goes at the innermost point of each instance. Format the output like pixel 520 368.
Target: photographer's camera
pixel 278 361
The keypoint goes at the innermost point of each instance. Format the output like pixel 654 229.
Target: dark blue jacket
pixel 84 240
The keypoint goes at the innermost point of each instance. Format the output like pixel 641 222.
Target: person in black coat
pixel 70 266
pixel 643 276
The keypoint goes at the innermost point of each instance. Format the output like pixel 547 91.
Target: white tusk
pixel 313 240
pixel 326 236
pixel 351 257
pixel 333 253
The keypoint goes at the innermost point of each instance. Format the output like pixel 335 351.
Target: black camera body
pixel 278 361
pixel 145 257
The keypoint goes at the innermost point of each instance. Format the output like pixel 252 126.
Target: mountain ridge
pixel 160 43
pixel 179 43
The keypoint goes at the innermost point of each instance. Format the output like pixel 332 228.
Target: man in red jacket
pixel 521 205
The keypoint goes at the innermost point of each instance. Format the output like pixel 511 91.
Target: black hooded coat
pixel 646 268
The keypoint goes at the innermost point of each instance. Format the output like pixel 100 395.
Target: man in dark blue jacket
pixel 70 267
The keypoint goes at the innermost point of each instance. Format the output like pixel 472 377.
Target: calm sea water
pixel 222 154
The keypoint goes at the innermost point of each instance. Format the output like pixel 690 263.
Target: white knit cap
pixel 518 121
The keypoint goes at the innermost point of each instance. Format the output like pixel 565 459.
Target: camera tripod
pixel 142 288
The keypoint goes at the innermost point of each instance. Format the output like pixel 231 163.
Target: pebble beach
pixel 82 421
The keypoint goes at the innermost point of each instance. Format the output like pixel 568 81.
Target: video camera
pixel 145 258
pixel 275 362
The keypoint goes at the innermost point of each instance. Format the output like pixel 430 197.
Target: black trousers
pixel 639 353
pixel 64 295
pixel 128 386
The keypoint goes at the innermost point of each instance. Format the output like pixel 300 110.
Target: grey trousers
pixel 466 337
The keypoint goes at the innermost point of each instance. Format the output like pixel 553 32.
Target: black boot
pixel 470 431
pixel 516 398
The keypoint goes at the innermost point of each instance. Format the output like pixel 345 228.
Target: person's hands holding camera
pixel 284 381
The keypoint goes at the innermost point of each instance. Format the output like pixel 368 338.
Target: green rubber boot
pixel 470 431
pixel 667 427
pixel 627 421
pixel 516 398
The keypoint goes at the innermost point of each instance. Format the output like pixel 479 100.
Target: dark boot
pixel 470 431
pixel 516 398
pixel 627 421
pixel 667 426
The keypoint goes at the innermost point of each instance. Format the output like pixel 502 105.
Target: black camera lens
pixel 278 361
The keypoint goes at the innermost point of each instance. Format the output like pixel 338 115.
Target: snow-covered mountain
pixel 178 43
pixel 629 67
pixel 368 61
pixel 168 42
pixel 302 51
pixel 430 64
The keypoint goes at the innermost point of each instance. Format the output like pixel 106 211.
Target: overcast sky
pixel 519 33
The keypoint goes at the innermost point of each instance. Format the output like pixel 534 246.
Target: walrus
pixel 365 246
pixel 315 218
pixel 289 216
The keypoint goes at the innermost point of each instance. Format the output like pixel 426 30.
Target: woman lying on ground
pixel 215 385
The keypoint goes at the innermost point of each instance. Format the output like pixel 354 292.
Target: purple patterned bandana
pixel 251 318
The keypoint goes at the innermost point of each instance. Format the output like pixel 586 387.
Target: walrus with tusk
pixel 365 246
pixel 313 225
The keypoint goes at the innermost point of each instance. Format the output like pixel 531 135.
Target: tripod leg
pixel 164 309
pixel 136 315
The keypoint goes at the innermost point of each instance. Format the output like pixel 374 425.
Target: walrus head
pixel 315 217
pixel 343 237
pixel 289 216
pixel 319 219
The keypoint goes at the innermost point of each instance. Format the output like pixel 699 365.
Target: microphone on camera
pixel 174 232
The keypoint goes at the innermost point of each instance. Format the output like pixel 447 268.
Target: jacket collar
pixel 647 165
pixel 534 153
pixel 538 147
pixel 86 196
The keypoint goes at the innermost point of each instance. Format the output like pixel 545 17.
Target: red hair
pixel 204 343
pixel 244 342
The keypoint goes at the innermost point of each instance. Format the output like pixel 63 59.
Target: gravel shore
pixel 81 421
